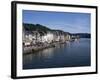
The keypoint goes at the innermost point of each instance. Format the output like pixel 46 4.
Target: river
pixel 70 54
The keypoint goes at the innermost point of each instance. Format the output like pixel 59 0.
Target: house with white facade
pixel 49 37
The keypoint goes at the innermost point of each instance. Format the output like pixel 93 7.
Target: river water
pixel 70 54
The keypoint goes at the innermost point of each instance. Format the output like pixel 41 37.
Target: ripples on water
pixel 71 54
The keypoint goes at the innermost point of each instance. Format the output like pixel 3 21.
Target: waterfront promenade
pixel 38 47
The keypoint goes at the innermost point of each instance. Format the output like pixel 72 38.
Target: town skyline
pixel 66 21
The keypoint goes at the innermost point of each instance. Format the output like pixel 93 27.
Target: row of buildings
pixel 36 37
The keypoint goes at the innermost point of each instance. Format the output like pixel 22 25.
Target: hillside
pixel 43 29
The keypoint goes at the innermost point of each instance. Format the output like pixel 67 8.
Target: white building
pixel 48 37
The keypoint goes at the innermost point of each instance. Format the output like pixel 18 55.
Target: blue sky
pixel 66 21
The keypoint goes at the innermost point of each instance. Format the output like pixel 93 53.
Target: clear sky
pixel 66 21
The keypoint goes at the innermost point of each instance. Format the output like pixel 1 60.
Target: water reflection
pixel 47 53
pixel 70 54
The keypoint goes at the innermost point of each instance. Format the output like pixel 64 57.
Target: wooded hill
pixel 44 29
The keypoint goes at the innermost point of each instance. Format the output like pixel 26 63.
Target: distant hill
pixel 82 35
pixel 40 28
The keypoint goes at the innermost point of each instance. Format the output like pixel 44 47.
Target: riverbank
pixel 34 48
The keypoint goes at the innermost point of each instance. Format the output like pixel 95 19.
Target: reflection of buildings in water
pixel 77 41
pixel 47 53
pixel 68 43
